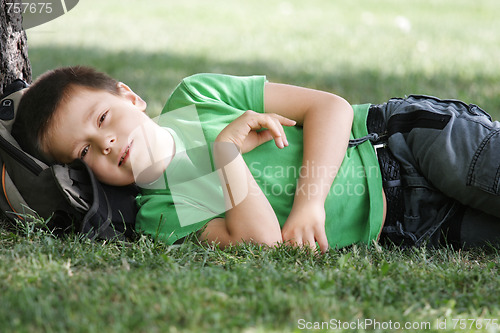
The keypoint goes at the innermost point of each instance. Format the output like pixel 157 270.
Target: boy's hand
pixel 252 129
pixel 305 226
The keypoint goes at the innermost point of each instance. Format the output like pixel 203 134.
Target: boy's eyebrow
pixel 90 111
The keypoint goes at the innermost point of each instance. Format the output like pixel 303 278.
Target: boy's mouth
pixel 125 154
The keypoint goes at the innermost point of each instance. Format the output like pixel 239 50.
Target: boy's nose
pixel 107 145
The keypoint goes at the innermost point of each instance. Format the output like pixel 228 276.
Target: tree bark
pixel 14 62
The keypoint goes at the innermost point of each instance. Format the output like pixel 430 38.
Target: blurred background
pixel 365 50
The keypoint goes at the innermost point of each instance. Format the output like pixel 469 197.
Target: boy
pixel 210 169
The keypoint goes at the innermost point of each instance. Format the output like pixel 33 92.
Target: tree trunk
pixel 14 62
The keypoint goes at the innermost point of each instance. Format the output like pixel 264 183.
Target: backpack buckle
pixel 379 146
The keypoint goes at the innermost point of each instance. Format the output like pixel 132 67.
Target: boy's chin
pixel 150 173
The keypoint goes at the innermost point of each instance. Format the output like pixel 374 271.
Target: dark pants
pixel 449 159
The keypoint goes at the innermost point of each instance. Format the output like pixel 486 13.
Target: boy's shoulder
pixel 215 83
pixel 204 87
pixel 217 79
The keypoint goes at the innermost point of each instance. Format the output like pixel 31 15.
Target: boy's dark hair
pixel 45 95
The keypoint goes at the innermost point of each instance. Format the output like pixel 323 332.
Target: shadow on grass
pixel 155 75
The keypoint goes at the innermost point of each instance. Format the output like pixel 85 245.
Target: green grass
pixel 364 50
pixel 75 285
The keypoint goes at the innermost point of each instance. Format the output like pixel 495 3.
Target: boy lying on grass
pixel 240 159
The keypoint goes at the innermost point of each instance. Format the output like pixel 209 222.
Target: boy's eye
pixel 84 152
pixel 101 119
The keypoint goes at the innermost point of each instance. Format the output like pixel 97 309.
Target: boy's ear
pixel 126 92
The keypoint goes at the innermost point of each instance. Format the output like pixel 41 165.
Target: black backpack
pixel 68 198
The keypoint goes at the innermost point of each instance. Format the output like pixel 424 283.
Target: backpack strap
pixel 17 207
pixel 70 182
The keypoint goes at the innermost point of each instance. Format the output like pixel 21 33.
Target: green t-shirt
pixel 189 194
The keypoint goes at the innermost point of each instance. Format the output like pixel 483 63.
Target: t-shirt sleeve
pixel 240 92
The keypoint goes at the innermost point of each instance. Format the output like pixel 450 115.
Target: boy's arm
pixel 250 220
pixel 249 216
pixel 326 120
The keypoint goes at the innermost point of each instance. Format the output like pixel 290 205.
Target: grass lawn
pixel 364 50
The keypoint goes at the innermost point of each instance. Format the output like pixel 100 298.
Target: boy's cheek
pixel 149 153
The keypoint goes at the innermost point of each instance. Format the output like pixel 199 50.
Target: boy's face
pixel 107 131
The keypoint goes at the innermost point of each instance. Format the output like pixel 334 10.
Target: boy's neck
pixel 161 152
